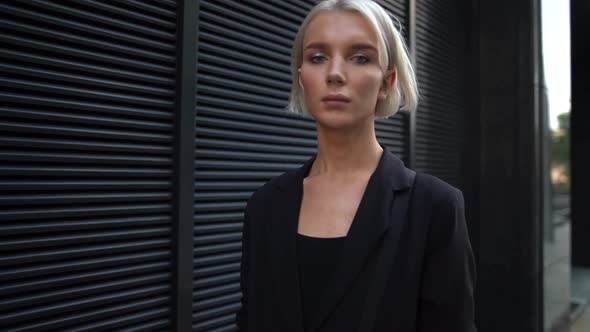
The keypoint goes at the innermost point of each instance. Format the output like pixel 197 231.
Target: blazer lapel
pixel 372 220
pixel 282 239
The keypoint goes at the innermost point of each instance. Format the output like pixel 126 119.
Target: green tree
pixel 560 149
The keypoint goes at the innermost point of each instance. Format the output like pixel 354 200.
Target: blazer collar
pixel 390 171
pixel 372 219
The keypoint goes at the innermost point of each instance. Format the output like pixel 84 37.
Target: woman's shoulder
pixel 435 190
pixel 441 207
pixel 265 194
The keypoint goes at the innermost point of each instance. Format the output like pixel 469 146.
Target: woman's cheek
pixel 309 79
pixel 369 86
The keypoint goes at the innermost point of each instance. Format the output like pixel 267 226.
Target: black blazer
pixel 406 264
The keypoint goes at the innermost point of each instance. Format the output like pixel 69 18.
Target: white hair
pixel 405 91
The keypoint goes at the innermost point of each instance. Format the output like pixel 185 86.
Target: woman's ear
pixel 387 84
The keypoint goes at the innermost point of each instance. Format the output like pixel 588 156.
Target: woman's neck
pixel 346 153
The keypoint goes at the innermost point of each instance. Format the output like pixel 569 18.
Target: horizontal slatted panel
pixel 86 134
pixel 398 9
pixel 244 137
pixel 393 132
pixel 439 44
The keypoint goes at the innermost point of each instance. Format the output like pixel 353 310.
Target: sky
pixel 555 25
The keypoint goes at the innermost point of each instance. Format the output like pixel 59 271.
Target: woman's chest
pixel 328 210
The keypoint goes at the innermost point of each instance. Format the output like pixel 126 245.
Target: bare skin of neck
pixel 343 153
pixel 337 180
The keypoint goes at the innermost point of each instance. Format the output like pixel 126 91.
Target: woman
pixel 353 240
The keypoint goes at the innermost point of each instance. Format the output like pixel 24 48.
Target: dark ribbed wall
pixel 86 119
pixel 440 44
pixel 87 136
pixel 394 132
pixel 243 137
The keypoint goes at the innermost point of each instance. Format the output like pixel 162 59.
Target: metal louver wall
pixel 86 133
pixel 394 132
pixel 439 125
pixel 244 137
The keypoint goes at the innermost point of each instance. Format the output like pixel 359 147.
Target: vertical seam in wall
pixel 184 155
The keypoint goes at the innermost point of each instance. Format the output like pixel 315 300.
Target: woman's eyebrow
pixel 363 46
pixel 316 45
pixel 355 47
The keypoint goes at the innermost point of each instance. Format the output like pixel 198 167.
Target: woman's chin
pixel 335 120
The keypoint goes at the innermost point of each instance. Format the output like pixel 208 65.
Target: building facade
pixel 134 132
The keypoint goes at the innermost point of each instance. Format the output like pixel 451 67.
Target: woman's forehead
pixel 339 27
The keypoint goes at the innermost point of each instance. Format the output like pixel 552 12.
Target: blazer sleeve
pixel 242 315
pixel 448 275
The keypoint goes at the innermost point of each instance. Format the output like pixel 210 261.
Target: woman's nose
pixel 336 73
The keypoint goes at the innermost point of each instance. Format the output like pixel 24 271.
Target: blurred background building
pixel 133 132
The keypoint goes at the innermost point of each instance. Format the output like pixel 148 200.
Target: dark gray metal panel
pixel 394 132
pixel 399 11
pixel 244 136
pixel 184 159
pixel 510 242
pixel 86 139
pixel 439 46
pixel 580 133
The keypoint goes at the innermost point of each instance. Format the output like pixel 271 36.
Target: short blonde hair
pixel 405 91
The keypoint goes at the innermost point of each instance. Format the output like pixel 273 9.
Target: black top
pixel 316 261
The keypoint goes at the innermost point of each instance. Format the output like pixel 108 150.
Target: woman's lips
pixel 335 102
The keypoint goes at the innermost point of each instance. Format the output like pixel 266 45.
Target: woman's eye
pixel 317 58
pixel 361 59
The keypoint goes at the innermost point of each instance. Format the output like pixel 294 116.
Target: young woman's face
pixel 341 75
